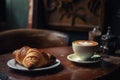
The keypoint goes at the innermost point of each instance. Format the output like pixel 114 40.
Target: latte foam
pixel 85 43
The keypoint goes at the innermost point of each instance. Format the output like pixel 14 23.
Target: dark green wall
pixel 17 13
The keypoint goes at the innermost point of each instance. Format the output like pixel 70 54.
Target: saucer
pixel 74 58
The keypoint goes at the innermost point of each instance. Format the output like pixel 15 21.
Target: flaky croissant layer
pixel 32 57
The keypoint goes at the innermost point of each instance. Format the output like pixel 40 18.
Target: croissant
pixel 32 57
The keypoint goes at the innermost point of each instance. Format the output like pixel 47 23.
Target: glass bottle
pixel 95 34
pixel 109 42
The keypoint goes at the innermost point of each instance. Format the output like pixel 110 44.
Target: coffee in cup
pixel 84 49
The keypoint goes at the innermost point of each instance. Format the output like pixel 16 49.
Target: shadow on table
pixel 39 73
pixel 115 75
pixel 100 64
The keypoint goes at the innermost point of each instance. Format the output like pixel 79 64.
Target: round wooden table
pixel 67 70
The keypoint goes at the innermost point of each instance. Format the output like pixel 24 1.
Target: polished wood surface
pixel 67 70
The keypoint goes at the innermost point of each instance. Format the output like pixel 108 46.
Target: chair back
pixel 38 38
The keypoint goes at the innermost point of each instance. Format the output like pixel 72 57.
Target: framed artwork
pixel 74 14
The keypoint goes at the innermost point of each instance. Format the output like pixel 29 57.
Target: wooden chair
pixel 39 38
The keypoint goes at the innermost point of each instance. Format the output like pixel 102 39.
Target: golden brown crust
pixel 32 57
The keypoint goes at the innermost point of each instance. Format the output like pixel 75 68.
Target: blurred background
pixel 40 14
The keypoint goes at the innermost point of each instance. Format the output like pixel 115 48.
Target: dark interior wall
pixel 2 11
pixel 2 15
pixel 113 16
pixel 76 35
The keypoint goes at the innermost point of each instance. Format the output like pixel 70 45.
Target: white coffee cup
pixel 84 49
